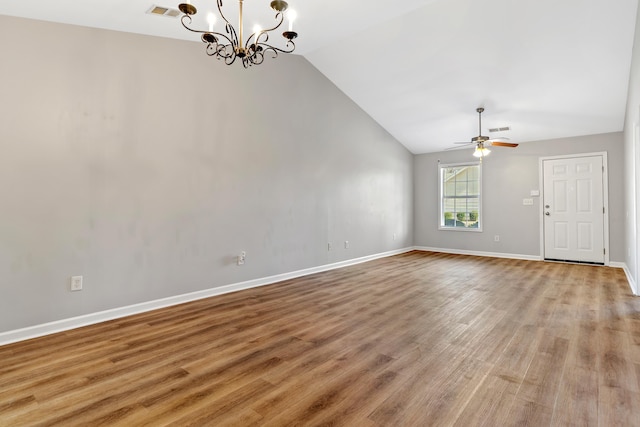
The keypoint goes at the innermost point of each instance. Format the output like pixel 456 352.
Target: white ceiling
pixel 546 68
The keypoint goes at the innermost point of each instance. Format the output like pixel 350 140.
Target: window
pixel 460 197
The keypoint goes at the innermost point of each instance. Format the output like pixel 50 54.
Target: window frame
pixel 441 223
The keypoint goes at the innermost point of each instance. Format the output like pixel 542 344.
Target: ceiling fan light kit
pixel 232 45
pixel 481 151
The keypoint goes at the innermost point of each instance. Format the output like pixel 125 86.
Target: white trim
pixel 442 166
pixel 479 253
pixel 627 272
pixel 634 210
pixel 116 313
pixel 605 196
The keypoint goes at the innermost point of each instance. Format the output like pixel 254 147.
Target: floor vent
pixel 163 11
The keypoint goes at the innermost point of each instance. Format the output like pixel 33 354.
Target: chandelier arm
pixel 226 52
pixel 221 13
pixel 256 36
pixel 220 51
pixel 277 50
pixel 189 20
pixel 228 26
pixel 229 59
pixel 254 59
pixel 232 32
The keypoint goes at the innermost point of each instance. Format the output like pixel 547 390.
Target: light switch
pixel 527 202
pixel 535 193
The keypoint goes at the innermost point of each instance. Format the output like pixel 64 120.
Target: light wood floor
pixel 412 340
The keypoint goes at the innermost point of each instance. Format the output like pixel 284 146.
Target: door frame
pixel 605 197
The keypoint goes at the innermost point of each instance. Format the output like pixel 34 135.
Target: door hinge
pixel 603 209
pixel 604 251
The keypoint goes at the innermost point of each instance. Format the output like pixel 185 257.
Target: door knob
pixel 547 213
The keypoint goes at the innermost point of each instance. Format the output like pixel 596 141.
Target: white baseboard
pixel 632 283
pixel 479 253
pixel 116 313
pixel 102 316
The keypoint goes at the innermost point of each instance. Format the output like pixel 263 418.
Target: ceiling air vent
pixel 502 129
pixel 163 11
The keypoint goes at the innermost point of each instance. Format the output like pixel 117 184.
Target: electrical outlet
pixel 76 283
pixel 346 244
pixel 328 246
pixel 394 236
pixel 242 257
pixel 496 238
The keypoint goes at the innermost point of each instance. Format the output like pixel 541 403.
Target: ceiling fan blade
pixel 503 144
pixel 465 142
pixel 500 138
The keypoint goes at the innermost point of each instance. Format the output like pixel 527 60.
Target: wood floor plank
pixel 428 381
pixel 443 405
pixel 616 368
pixel 420 338
pixel 492 402
pixel 342 377
pixel 542 380
pixel 618 407
pixel 527 413
pixel 577 401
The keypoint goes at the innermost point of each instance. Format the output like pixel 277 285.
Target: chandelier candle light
pixel 231 45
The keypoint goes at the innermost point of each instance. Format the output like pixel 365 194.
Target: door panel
pixel 560 195
pixel 561 240
pixel 573 214
pixel 585 236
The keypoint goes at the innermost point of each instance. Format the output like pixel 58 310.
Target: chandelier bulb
pixel 211 20
pixel 256 32
pixel 292 15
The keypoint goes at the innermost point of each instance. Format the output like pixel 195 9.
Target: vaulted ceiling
pixel 545 68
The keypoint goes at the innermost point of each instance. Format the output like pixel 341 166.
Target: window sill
pixel 473 230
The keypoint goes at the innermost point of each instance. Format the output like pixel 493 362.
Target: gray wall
pixel 146 166
pixel 632 162
pixel 508 175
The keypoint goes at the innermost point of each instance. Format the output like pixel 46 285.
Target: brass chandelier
pixel 232 45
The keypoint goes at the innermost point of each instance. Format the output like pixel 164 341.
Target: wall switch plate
pixel 346 244
pixel 535 193
pixel 76 283
pixel 328 246
pixel 242 257
pixel 496 238
pixel 527 202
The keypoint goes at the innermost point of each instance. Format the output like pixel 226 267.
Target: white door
pixel 574 209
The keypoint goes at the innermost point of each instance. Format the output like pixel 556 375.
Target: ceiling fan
pixel 482 142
